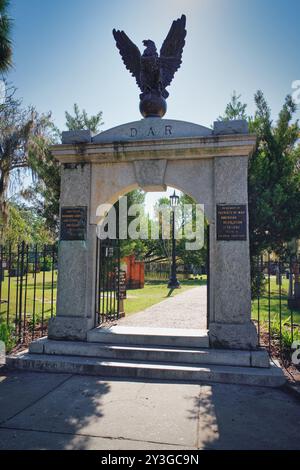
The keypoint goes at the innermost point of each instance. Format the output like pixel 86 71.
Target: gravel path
pixel 186 310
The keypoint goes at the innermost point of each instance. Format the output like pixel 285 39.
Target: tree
pixel 44 193
pixel 129 246
pixel 274 179
pixel 24 141
pixel 156 250
pixel 196 258
pixel 25 225
pixel 235 109
pixel 17 128
pixel 162 248
pixel 274 176
pixel 81 121
pixel 5 37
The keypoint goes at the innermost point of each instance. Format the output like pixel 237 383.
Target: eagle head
pixel 150 48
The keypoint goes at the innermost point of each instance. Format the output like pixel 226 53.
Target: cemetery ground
pixel 38 305
pixel 156 291
pixel 274 318
pixel 39 302
pixel 35 294
pixel 275 303
pixel 137 299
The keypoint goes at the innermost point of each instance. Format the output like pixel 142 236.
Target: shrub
pixel 286 334
pixel 7 336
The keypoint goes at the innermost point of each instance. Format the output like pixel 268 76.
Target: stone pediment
pixel 152 128
pixel 156 139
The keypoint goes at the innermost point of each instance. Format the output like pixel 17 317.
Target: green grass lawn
pixel 137 300
pixel 32 294
pixel 275 303
pixel 154 292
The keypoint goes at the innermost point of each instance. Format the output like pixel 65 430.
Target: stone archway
pixel 210 165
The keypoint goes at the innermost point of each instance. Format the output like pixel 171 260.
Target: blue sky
pixel 64 52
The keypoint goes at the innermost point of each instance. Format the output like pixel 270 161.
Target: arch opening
pixel 147 262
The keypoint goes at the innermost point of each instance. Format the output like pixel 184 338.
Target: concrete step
pixel 189 338
pixel 163 354
pixel 271 377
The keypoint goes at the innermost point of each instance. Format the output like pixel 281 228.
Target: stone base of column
pixel 233 335
pixel 69 328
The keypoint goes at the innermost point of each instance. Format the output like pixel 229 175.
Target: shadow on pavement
pixel 241 417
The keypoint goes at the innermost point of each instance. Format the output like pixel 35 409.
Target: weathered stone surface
pixel 69 328
pixel 230 127
pixel 194 179
pixel 109 182
pixel 37 346
pixel 147 353
pixel 112 181
pixel 150 174
pixel 231 187
pixel 152 128
pixel 196 148
pixel 75 295
pixel 177 337
pixel 72 278
pixel 76 137
pixel 232 282
pixel 233 335
pixel 158 353
pixel 76 186
pixel 271 377
pixel 230 259
pixel 260 358
pixel 154 153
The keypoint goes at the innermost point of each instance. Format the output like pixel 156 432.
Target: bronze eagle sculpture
pixel 153 72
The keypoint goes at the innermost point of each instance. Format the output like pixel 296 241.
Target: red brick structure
pixel 135 272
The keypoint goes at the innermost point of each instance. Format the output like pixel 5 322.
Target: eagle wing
pixel 130 54
pixel 171 51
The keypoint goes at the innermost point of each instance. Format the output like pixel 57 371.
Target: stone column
pixel 231 325
pixel 76 263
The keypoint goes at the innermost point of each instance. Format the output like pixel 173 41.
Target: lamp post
pixel 173 282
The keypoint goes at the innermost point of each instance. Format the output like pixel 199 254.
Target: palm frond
pixel 5 37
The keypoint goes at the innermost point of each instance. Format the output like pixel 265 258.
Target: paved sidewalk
pixel 185 310
pixel 55 411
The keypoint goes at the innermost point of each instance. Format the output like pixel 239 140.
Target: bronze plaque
pixel 73 221
pixel 231 222
pixel 121 288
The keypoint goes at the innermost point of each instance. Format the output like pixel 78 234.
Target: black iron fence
pixel 155 271
pixel 110 281
pixel 28 278
pixel 276 304
pixel 28 283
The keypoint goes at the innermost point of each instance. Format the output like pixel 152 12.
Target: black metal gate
pixel 28 275
pixel 109 281
pixel 208 276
